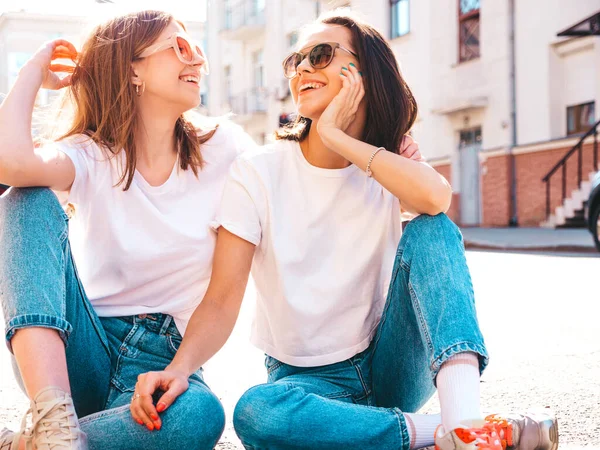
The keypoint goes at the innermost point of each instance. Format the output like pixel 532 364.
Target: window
pixel 258 95
pixel 227 91
pixel 227 16
pixel 468 29
pixel 399 12
pixel 580 118
pixel 258 6
pixel 258 69
pixel 470 137
pixel 292 38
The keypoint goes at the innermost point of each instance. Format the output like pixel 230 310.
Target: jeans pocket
pixel 174 343
pixel 272 364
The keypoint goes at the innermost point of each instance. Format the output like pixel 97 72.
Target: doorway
pixel 470 197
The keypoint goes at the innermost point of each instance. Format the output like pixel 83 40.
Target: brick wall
pixel 531 191
pixel 495 191
pixel 453 212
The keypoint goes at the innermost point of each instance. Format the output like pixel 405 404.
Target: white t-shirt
pixel 148 249
pixel 326 241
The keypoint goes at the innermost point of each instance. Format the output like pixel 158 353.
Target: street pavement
pixel 531 239
pixel 538 312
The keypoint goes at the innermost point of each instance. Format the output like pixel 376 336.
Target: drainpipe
pixel 514 220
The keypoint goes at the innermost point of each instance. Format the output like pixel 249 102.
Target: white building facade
pixel 23 33
pixel 501 96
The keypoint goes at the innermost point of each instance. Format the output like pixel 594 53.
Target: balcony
pixel 243 19
pixel 246 104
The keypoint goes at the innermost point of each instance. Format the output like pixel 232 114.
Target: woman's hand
pixel 341 112
pixel 410 149
pixel 171 382
pixel 43 58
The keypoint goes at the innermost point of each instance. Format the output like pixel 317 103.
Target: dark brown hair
pixel 391 107
pixel 104 98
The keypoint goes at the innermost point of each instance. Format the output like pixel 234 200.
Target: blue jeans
pixel 39 287
pixel 429 316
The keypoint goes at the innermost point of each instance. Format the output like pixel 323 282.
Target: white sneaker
pixel 54 422
pixel 10 440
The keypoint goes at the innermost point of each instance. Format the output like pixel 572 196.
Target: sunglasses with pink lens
pixel 187 50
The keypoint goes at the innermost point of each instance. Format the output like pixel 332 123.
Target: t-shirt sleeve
pixel 83 162
pixel 239 210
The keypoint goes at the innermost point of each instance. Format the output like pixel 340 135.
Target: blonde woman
pixel 92 302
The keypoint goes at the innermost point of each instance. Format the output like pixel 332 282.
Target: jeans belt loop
pixel 166 324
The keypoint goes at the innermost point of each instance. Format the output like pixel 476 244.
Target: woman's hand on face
pixel 410 149
pixel 340 113
pixel 142 408
pixel 43 58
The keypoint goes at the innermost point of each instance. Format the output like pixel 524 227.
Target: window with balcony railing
pixel 468 30
pixel 239 13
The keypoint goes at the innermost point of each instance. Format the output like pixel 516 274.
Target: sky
pixel 185 9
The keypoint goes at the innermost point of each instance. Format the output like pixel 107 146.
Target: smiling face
pixel 167 78
pixel 313 89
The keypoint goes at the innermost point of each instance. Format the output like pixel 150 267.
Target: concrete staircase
pixel 571 214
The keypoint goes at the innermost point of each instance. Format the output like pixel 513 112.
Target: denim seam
pixel 274 367
pixel 86 303
pixel 337 395
pixel 38 320
pixel 385 310
pixel 460 347
pixel 290 386
pixel 171 344
pixel 65 233
pixel 404 435
pixel 118 364
pixel 103 414
pixel 404 265
pixel 366 391
pixel 422 322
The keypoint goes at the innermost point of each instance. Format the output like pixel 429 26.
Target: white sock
pixel 458 390
pixel 421 428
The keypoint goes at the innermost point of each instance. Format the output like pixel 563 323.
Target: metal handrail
pixel 562 164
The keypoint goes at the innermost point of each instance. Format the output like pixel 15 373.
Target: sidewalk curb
pixel 478 245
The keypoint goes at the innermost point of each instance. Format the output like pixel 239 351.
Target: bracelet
pixel 369 171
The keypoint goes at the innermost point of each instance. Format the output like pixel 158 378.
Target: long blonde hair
pixel 103 98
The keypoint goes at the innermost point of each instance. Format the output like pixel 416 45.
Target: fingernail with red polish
pixel 154 416
pixel 158 426
pixel 150 427
pixel 161 407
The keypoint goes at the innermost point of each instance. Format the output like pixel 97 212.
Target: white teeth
pixel 190 78
pixel 311 86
